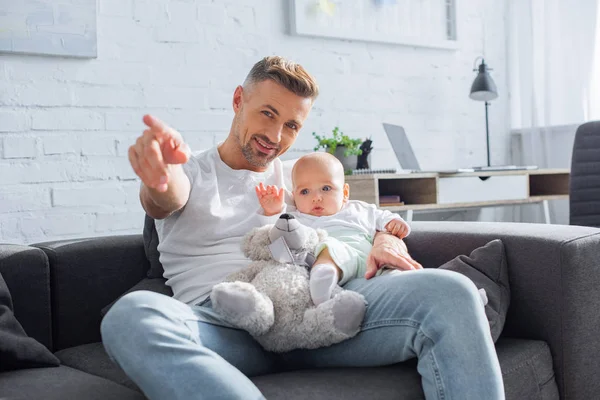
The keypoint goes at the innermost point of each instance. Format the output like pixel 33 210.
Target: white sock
pixel 484 298
pixel 323 278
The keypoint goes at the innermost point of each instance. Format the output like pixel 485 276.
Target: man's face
pixel 267 120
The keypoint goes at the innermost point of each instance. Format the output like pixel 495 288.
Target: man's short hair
pixel 288 74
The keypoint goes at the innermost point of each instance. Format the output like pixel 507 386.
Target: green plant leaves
pixel 338 139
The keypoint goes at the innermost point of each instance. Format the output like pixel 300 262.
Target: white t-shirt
pixel 354 228
pixel 356 216
pixel 201 244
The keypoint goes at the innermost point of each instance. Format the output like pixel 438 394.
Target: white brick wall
pixel 66 124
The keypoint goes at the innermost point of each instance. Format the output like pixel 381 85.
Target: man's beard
pixel 250 154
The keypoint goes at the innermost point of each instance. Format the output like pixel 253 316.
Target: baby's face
pixel 317 191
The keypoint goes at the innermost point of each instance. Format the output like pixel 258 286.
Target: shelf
pixel 423 191
pixel 496 203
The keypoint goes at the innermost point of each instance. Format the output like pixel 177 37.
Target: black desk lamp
pixel 484 89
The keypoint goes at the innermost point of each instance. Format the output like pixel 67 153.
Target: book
pixel 371 171
pixel 386 199
pixel 391 204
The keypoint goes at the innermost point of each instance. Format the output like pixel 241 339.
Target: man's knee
pixel 434 287
pixel 127 314
pixel 453 285
pixel 452 300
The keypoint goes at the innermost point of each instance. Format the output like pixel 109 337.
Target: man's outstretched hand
pixel 154 151
pixel 391 252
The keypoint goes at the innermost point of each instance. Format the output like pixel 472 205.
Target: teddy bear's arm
pixel 247 274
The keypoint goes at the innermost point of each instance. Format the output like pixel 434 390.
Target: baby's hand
pixel 398 228
pixel 270 198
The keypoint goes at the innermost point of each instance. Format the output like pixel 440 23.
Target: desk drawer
pixel 472 189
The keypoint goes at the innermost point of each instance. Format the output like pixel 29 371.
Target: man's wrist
pixel 386 239
pixel 382 236
pixel 151 206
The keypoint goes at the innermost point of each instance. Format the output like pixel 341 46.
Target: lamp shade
pixel 483 88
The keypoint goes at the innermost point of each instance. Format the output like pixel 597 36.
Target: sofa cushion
pixel 92 358
pixel 17 350
pixel 59 384
pixel 486 267
pixel 526 369
pixel 26 271
pixel 400 381
pixel 157 285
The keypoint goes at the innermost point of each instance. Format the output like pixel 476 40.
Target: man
pixel 177 348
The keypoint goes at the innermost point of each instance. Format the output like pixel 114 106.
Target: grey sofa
pixel 548 349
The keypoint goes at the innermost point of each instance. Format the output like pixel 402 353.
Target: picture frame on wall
pixel 423 23
pixel 49 28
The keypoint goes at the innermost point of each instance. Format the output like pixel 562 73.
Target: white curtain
pixel 554 84
pixel 551 48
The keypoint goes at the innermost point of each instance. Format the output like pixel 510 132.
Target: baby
pixel 322 201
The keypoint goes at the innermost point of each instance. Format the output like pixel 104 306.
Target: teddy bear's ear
pixel 256 242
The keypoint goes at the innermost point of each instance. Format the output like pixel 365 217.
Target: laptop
pixel 408 161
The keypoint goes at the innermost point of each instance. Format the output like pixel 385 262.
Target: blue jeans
pixel 434 315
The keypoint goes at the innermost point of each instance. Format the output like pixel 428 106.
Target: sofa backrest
pixel 86 275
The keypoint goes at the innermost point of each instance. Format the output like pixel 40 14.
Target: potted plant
pixel 342 147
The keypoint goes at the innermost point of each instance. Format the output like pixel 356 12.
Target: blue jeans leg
pixel 434 315
pixel 170 354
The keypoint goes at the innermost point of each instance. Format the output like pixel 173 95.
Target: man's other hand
pixel 391 252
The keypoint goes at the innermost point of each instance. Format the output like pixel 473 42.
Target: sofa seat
pixel 61 383
pixel 526 367
pixel 93 359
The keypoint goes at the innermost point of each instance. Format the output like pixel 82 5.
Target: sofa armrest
pixel 554 272
pixel 27 275
pixel 85 276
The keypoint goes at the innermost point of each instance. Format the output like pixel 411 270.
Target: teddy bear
pixel 270 298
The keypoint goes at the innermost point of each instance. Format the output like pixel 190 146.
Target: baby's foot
pixel 484 298
pixel 323 278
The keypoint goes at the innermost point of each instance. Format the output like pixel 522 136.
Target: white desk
pixel 436 191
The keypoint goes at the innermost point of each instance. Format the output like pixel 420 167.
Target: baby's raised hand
pixel 398 228
pixel 270 198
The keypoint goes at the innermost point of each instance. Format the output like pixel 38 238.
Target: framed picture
pixel 58 28
pixel 428 23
